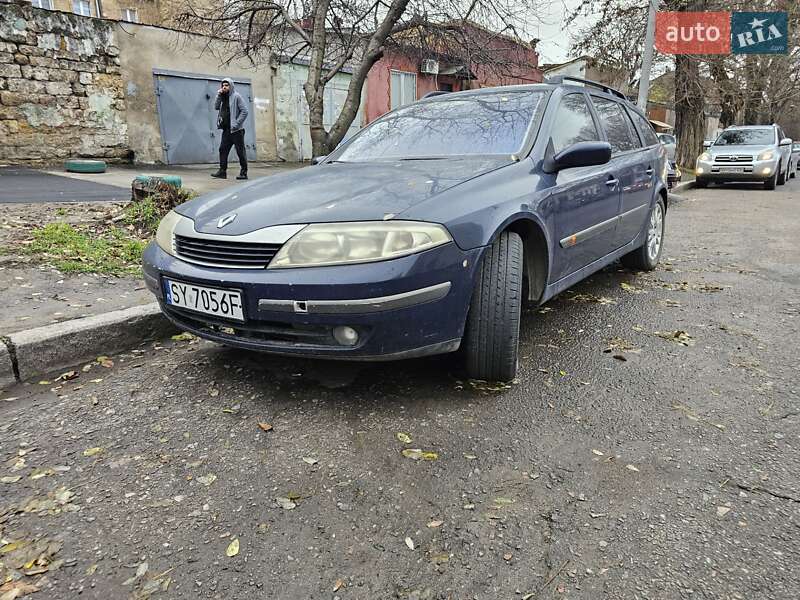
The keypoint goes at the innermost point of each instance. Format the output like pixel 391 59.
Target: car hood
pixel 333 192
pixel 736 150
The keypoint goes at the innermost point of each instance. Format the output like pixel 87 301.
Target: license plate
pixel 731 170
pixel 199 298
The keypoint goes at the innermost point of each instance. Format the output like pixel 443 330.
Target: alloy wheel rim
pixel 655 232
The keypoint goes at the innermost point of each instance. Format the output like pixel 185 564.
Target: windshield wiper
pixel 424 158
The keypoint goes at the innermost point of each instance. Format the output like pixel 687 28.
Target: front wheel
pixel 770 183
pixel 646 256
pixel 491 335
pixel 781 175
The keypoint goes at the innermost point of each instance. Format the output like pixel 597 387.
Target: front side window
pixel 474 124
pixel 573 123
pixel 746 137
pixel 47 4
pixel 82 7
pixel 616 125
pixel 403 88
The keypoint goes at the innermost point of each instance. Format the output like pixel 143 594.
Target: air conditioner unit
pixel 429 66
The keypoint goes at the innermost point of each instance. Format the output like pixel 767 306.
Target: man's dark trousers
pixel 235 139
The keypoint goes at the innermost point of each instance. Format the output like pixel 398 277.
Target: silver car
pixel 758 153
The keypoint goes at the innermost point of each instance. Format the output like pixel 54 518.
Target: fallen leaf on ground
pixel 631 288
pixel 10 479
pixel 285 503
pixel 140 572
pixel 410 543
pixel 93 451
pixel 104 361
pixel 417 454
pixel 631 468
pixel 16 589
pixel 678 336
pixel 207 479
pixel 265 426
pixel 233 548
pixel 404 437
pixel 183 337
pixel 66 376
pixel 591 298
pixel 338 585
pixel 310 461
pixel 723 510
pixel 597 452
pixel 508 556
pixel 435 524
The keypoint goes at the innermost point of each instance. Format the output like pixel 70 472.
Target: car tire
pixel 700 183
pixel 491 336
pixel 781 175
pixel 770 183
pixel 646 256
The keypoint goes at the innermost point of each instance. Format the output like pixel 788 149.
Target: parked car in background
pixel 670 143
pixel 758 153
pixel 795 158
pixel 673 174
pixel 424 233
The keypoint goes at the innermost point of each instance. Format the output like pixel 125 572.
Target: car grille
pixel 733 159
pixel 243 255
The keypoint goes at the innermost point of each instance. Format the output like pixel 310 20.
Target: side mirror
pixel 318 159
pixel 707 143
pixel 582 154
pixel 786 142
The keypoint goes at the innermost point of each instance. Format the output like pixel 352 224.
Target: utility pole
pixel 647 58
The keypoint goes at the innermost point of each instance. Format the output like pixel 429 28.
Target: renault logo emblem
pixel 226 220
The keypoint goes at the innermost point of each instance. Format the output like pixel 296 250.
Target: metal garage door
pixel 188 120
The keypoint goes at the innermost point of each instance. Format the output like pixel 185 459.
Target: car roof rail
pixel 434 93
pixel 559 79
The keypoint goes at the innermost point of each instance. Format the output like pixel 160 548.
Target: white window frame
pixel 83 4
pixel 403 99
pixel 45 4
pixel 131 15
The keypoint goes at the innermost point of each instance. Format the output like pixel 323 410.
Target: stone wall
pixel 61 88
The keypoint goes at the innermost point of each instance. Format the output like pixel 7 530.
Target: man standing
pixel 232 115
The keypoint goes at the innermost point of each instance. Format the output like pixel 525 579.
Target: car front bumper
pixel 402 308
pixel 755 171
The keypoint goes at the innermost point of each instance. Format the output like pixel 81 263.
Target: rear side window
pixel 573 122
pixel 649 137
pixel 616 125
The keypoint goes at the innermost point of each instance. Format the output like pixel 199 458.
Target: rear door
pixel 586 200
pixel 632 163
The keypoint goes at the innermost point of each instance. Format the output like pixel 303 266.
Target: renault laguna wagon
pixel 425 233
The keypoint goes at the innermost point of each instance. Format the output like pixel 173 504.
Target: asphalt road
pixel 656 470
pixel 20 184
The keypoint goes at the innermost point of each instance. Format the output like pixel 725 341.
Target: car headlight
pixel 166 229
pixel 766 155
pixel 705 157
pixel 342 243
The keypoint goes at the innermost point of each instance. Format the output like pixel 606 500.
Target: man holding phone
pixel 230 119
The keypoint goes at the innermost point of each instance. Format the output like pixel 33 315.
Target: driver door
pixel 585 202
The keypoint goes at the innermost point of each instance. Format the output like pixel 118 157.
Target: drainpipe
pixel 98 8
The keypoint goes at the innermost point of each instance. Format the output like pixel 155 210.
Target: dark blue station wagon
pixel 424 233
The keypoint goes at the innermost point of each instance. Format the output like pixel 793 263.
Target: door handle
pixel 612 182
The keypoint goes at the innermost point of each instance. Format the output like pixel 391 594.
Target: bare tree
pixel 332 34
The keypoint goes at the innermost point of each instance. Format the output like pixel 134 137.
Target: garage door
pixel 188 120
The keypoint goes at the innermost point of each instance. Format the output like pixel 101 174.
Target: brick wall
pixel 61 89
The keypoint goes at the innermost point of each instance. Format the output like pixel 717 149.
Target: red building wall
pixel 378 88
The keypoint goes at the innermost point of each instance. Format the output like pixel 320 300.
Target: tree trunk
pixel 314 87
pixel 689 110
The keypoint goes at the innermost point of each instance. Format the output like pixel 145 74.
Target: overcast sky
pixel 554 46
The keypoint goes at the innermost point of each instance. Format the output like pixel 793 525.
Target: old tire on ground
pixel 80 165
pixel 646 256
pixel 770 183
pixel 491 336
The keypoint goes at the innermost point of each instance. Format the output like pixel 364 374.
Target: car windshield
pixel 478 124
pixel 746 137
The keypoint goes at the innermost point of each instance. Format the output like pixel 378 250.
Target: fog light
pixel 766 170
pixel 700 170
pixel 346 336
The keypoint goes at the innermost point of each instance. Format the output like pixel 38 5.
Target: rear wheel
pixel 491 335
pixel 646 256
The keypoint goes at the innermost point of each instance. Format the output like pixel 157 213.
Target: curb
pixel 682 187
pixel 33 352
